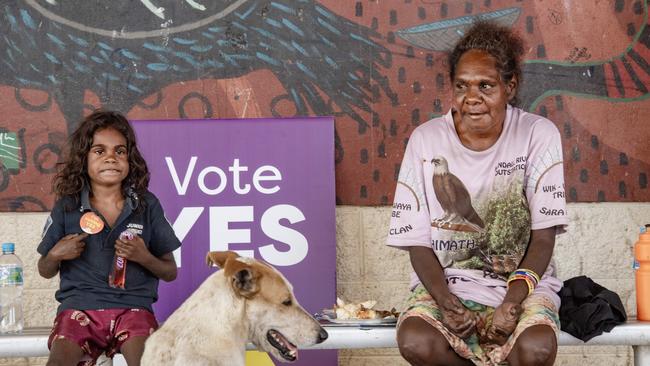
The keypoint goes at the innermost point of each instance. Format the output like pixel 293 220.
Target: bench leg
pixel 641 355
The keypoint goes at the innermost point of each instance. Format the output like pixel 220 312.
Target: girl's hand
pixel 134 250
pixel 504 322
pixel 456 317
pixel 69 247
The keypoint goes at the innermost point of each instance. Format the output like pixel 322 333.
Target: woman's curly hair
pixel 72 177
pixel 500 42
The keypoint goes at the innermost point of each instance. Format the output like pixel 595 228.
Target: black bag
pixel 588 309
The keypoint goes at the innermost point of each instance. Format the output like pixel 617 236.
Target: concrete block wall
pixel 598 244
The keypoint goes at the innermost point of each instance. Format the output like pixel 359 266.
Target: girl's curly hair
pixel 500 42
pixel 72 177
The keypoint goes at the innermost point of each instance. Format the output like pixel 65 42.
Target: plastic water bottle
pixel 11 291
pixel 642 266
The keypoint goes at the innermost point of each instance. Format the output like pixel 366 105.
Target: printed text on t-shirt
pixel 557 191
pixel 452 244
pixel 507 167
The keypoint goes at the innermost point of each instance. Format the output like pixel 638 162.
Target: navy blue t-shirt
pixel 84 280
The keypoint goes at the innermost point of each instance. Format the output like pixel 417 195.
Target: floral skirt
pixel 538 310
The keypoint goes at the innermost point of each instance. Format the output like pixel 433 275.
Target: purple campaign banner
pixel 261 187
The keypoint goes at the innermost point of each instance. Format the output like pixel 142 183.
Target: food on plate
pixel 361 310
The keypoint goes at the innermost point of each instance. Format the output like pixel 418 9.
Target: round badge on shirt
pixel 91 223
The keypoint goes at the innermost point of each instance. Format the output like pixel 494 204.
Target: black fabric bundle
pixel 588 309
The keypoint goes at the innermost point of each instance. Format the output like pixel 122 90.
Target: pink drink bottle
pixel 117 277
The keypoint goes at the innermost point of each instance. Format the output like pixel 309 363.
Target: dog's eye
pixel 287 302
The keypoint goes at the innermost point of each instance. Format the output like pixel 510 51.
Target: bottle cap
pixel 127 235
pixel 8 247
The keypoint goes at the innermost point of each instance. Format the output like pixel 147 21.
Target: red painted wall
pixel 587 68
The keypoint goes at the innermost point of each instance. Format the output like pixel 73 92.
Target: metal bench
pixel 633 333
pixel 33 341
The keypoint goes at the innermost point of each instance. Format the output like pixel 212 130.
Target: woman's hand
pixel 133 250
pixel 504 322
pixel 69 247
pixel 456 317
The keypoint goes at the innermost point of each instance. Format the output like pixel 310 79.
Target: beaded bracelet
pixel 530 277
pixel 528 280
pixel 527 272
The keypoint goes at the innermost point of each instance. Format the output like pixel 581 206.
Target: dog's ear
pixel 219 258
pixel 244 277
pixel 246 282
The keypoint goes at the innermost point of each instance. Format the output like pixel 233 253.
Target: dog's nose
pixel 322 335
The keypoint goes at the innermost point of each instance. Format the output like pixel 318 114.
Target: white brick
pixel 349 258
pixel 382 263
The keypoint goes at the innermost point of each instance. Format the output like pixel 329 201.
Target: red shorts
pixel 101 331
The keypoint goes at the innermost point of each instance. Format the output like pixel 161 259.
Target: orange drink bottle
pixel 117 277
pixel 642 266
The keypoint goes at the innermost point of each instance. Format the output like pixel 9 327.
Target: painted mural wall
pixel 378 66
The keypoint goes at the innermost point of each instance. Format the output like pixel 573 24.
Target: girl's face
pixel 108 160
pixel 480 96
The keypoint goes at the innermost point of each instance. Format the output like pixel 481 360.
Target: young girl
pixel 101 192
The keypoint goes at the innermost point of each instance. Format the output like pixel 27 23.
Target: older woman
pixel 479 200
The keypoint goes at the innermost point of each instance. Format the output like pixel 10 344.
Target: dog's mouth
pixel 288 350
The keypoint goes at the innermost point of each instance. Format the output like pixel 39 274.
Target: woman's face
pixel 108 161
pixel 479 95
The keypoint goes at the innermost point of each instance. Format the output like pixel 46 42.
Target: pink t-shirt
pixel 475 209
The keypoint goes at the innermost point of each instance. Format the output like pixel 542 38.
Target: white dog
pixel 246 301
